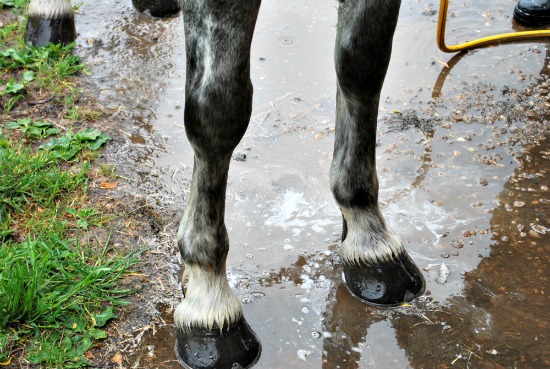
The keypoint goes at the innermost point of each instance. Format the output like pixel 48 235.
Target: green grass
pixel 14 3
pixel 34 178
pixel 37 69
pixel 54 294
pixel 61 281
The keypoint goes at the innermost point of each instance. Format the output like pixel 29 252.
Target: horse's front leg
pixel 211 330
pixel 377 268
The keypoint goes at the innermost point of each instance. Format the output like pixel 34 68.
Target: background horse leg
pixel 157 8
pixel 50 21
pixel 211 331
pixel 377 268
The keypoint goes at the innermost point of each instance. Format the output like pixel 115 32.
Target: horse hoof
pixel 385 285
pixel 157 8
pixel 40 30
pixel 232 348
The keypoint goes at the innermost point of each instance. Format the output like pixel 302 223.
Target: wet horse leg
pixel 376 267
pixel 211 331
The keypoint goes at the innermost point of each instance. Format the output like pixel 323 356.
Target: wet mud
pixel 462 161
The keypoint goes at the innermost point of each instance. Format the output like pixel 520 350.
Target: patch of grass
pixel 38 69
pixel 8 30
pixel 56 289
pixel 82 113
pixel 14 3
pixel 59 278
pixel 31 70
pixel 107 170
pixel 88 217
pixel 52 60
pixel 29 178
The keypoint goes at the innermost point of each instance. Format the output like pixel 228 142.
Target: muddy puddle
pixel 462 160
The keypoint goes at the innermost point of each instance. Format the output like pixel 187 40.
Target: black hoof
pixel 40 31
pixel 385 285
pixel 532 13
pixel 157 8
pixel 233 348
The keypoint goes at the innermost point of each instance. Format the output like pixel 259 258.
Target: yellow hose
pixel 485 41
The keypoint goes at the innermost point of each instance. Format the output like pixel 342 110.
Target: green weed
pixel 68 146
pixel 33 130
pixel 17 88
pixel 87 217
pixel 14 3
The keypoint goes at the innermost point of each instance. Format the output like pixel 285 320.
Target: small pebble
pixel 457 245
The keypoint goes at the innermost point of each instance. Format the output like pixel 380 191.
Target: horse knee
pixel 217 114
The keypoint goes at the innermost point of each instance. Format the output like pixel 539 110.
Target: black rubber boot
pixel 386 284
pixel 232 348
pixel 533 13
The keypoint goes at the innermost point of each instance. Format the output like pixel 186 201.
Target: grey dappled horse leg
pixel 211 330
pixel 157 8
pixel 50 21
pixel 377 268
